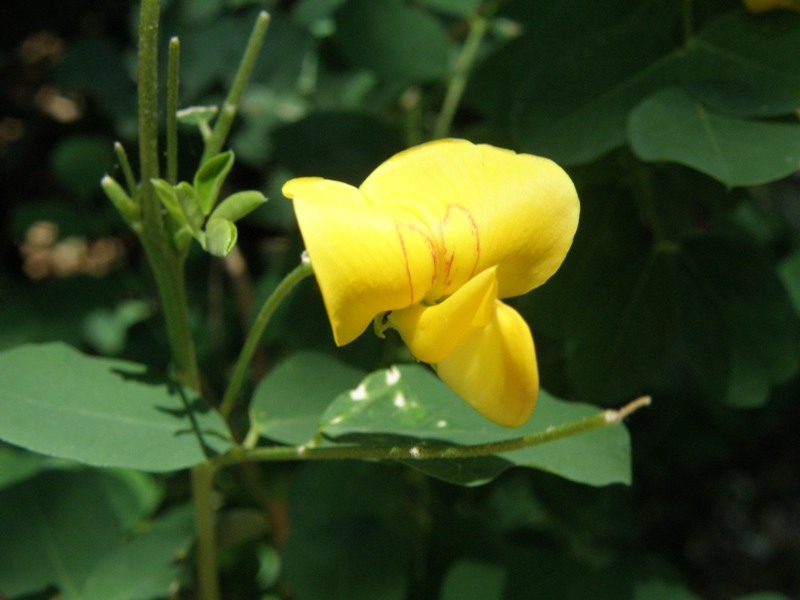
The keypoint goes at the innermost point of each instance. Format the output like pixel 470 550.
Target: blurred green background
pixel 677 122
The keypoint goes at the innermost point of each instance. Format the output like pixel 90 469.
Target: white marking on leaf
pixel 392 375
pixel 360 393
pixel 400 400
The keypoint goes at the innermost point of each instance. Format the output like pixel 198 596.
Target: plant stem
pixel 423 452
pixel 478 25
pixel 289 282
pixel 222 126
pixel 206 546
pixel 166 264
pixel 147 77
pixel 173 82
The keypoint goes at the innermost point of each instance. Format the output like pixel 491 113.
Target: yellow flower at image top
pixel 428 245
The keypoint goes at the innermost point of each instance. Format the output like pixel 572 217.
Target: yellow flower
pixel 428 244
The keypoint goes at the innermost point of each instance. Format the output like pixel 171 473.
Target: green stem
pixel 173 82
pixel 289 282
pixel 206 546
pixel 458 83
pixel 147 77
pixel 222 126
pixel 167 266
pixel 423 452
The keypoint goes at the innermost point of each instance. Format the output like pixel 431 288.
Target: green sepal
pixel 190 204
pixel 127 207
pixel 220 236
pixel 209 179
pixel 166 193
pixel 238 205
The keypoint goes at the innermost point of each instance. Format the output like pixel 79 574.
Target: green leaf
pixel 79 162
pixel 18 465
pixel 58 526
pixel 409 404
pixel 473 580
pixel 289 401
pixel 349 537
pixel 169 198
pixel 456 8
pixel 190 205
pixel 611 301
pixel 572 104
pixel 655 589
pixel 741 333
pixel 746 66
pixel 107 329
pixel 671 125
pixel 340 145
pixel 393 40
pixel 103 412
pixel 220 237
pixel 144 566
pixel 238 205
pixel 630 309
pixel 209 179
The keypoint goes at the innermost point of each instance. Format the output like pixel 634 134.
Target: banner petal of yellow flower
pixel 524 208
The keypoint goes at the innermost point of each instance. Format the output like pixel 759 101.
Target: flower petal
pixel 494 369
pixel 367 259
pixel 524 208
pixel 433 332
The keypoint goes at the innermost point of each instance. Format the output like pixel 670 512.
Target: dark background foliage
pixel 677 123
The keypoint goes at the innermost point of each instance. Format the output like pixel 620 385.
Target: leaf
pixel 144 566
pixel 18 465
pixel 456 8
pixel 746 66
pixel 572 103
pixel 190 205
pixel 169 198
pixel 671 125
pixel 409 404
pixel 611 302
pixel 220 237
pixel 629 309
pixel 349 537
pixel 394 40
pixel 103 412
pixel 288 402
pixel 80 161
pixel 655 589
pixel 209 179
pixel 739 327
pixel 341 145
pixel 238 205
pixel 473 580
pixel 59 525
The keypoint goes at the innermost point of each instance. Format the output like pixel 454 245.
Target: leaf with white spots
pixel 408 404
